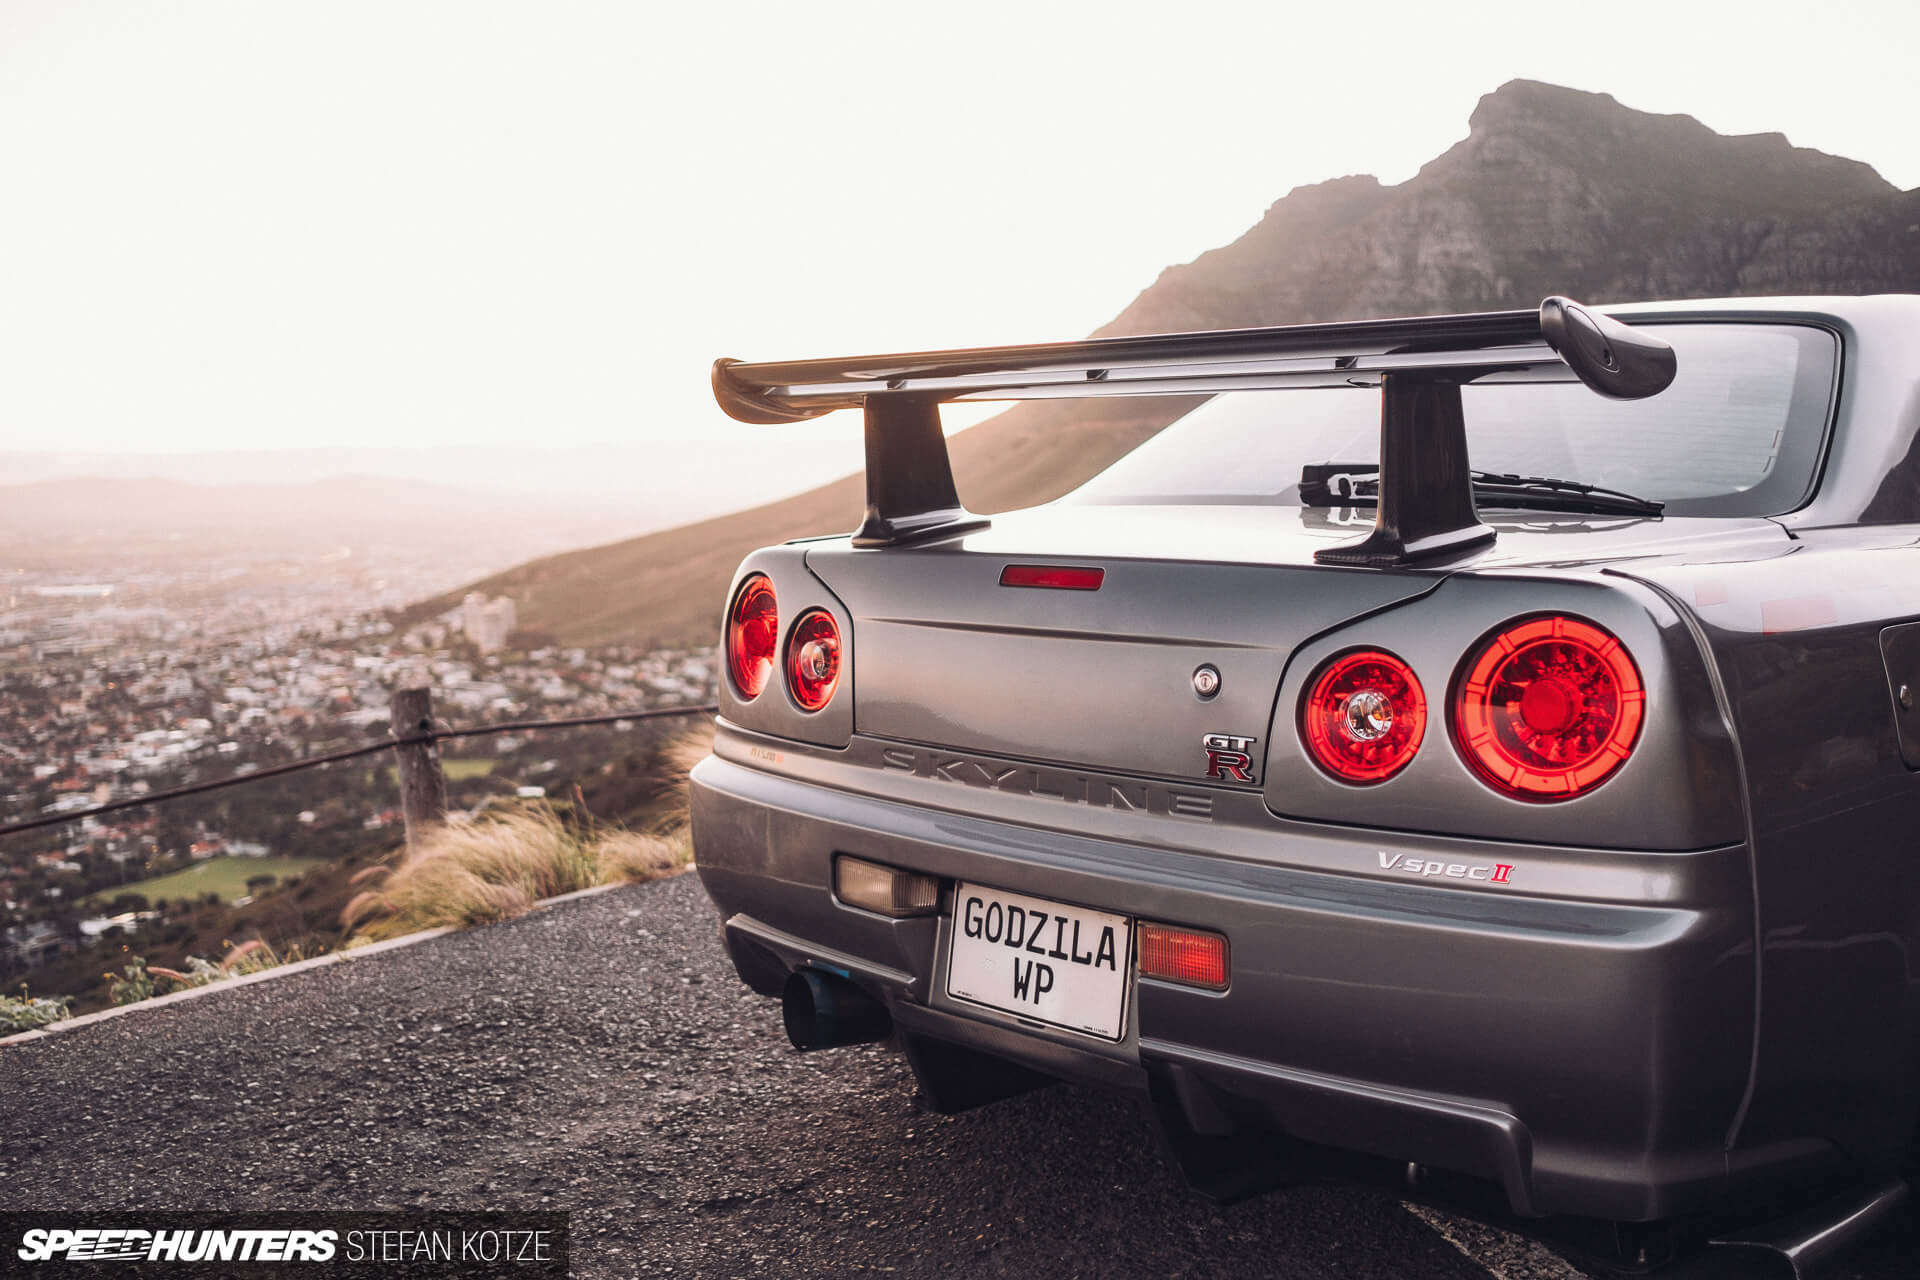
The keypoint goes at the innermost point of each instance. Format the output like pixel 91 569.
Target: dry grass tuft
pixel 635 855
pixel 497 865
pixel 676 761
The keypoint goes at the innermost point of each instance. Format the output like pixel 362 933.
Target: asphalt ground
pixel 600 1057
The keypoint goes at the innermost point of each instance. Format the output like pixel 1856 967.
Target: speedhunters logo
pixel 116 1244
pixel 330 1244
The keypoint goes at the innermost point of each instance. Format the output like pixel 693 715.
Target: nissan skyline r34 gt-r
pixel 1479 750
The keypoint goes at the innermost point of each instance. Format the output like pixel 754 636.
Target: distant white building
pixel 127 920
pixel 486 622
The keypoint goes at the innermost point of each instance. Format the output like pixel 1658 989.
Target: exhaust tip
pixel 821 1011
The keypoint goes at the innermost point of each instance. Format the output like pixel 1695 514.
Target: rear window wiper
pixel 1505 485
pixel 1335 483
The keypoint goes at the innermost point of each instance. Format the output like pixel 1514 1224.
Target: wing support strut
pixel 910 491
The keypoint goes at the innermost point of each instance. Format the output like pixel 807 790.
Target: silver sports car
pixel 1477 751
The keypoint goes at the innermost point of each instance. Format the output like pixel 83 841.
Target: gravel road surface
pixel 601 1058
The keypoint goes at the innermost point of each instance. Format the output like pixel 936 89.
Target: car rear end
pixel 1443 865
pixel 1553 994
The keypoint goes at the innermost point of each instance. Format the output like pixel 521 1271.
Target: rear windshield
pixel 1738 433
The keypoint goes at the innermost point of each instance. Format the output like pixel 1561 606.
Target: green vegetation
pixel 135 986
pixel 29 1013
pixel 457 769
pixel 226 877
pixel 143 981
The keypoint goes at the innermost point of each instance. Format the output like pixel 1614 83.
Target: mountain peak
pixel 1536 100
pixel 1597 137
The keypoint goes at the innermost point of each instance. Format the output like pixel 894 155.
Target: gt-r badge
pixel 1229 759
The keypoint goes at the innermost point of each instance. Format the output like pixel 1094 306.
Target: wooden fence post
pixel 423 787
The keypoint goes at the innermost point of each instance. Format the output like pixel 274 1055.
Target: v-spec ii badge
pixel 1488 873
pixel 1229 758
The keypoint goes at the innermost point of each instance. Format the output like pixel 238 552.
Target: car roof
pixel 1865 309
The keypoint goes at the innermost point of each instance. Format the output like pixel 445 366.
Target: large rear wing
pixel 1425 489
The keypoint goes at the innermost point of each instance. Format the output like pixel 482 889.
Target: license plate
pixel 1045 961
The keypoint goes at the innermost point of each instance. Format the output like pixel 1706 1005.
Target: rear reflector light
pixel 1363 716
pixel 753 636
pixel 887 890
pixel 1548 708
pixel 1187 956
pixel 813 659
pixel 1055 576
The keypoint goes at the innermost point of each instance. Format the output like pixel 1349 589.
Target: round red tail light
pixel 753 636
pixel 1363 716
pixel 1548 708
pixel 813 659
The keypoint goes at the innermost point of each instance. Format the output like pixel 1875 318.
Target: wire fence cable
pixel 315 762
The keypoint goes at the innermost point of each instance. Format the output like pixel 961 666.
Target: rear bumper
pixel 1584 1057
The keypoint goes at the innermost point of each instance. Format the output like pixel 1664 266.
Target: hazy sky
pixel 487 224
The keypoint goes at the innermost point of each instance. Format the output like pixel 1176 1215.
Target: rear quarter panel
pixel 1678 791
pixel 774 710
pixel 1835 815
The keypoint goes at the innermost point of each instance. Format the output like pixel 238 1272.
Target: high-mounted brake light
pixel 1059 577
pixel 813 659
pixel 1548 708
pixel 1363 716
pixel 753 636
pixel 1191 957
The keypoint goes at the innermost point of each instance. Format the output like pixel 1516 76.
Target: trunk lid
pixel 944 655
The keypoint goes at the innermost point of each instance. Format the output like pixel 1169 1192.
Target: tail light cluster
pixel 1548 708
pixel 1545 708
pixel 753 647
pixel 753 636
pixel 813 659
pixel 1364 716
